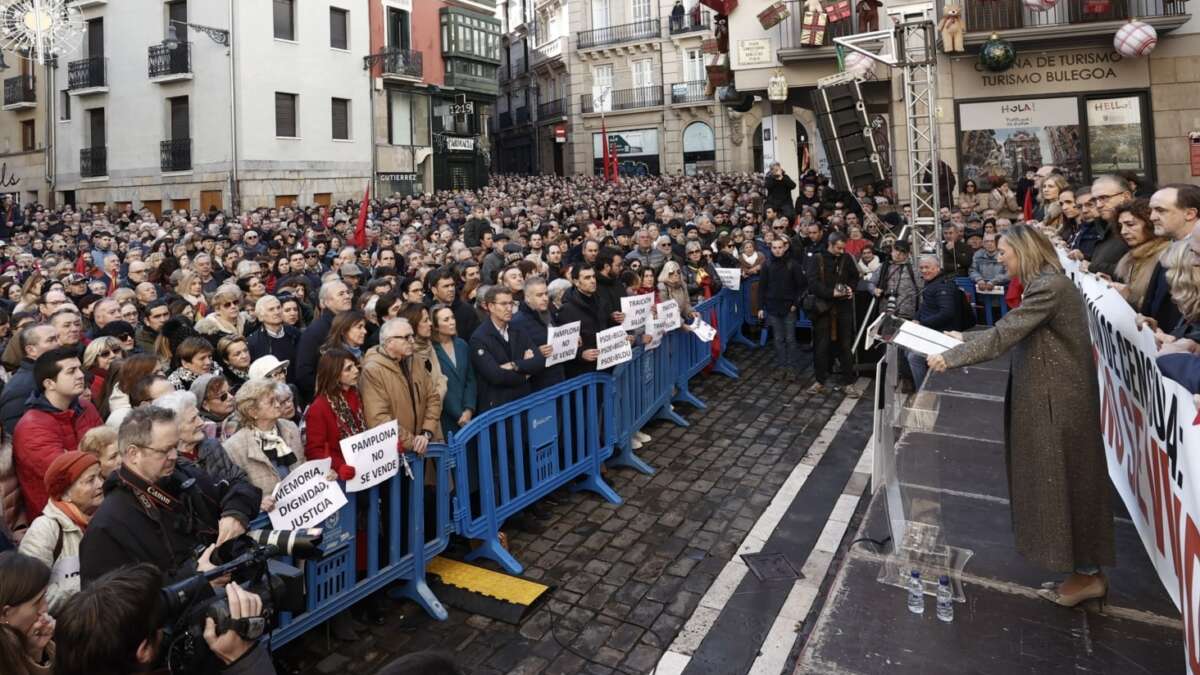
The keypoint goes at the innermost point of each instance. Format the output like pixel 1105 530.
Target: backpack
pixel 966 311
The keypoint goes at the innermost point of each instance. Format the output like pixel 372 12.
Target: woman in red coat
pixel 336 412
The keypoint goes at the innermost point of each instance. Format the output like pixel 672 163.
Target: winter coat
pixel 216 462
pixel 322 437
pixel 939 304
pixel 424 356
pixel 466 319
pixel 900 280
pixel 1004 204
pixel 1058 477
pixel 653 258
pixel 125 532
pixel 584 309
pixel 460 384
pixel 1086 237
pixel 15 395
pixel 957 261
pixel 284 348
pixel 54 530
pixel 1108 252
pixel 308 352
pixel 1137 267
pixel 779 193
pixel 987 267
pixel 392 392
pixel 44 433
pixel 608 297
pixel 496 386
pixel 695 287
pixel 780 285
pixel 245 449
pixel 534 326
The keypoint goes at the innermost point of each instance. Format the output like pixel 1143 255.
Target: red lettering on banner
pixel 1160 492
pixel 1138 461
pixel 1108 418
pixel 1191 553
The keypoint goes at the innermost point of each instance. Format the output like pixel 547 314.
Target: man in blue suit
pixel 534 320
pixel 504 359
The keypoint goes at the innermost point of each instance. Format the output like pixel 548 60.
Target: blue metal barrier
pixel 712 310
pixel 644 387
pixel 333 583
pixel 510 457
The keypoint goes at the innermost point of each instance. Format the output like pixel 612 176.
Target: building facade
pixel 188 104
pixel 25 119
pixel 1069 100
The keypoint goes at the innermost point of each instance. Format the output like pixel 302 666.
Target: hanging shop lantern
pixel 777 87
pixel 1135 39
pixel 997 55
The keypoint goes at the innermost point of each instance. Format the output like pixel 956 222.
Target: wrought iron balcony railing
pixel 93 162
pixel 624 99
pixel 165 61
pixel 176 154
pixel 20 89
pixel 626 32
pixel 87 73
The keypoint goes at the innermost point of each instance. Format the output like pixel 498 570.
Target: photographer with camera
pixel 114 627
pixel 159 508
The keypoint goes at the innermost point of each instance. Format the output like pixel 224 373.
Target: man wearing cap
pixel 897 279
pixel 494 262
pixel 274 337
pixel 351 274
pixel 55 421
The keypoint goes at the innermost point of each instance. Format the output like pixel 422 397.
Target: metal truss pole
pixel 921 125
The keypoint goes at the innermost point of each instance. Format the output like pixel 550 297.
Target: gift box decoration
pixel 812 29
pixel 839 10
pixel 773 14
pixel 719 74
pixel 710 46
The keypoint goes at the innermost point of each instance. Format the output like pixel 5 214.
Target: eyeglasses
pixel 410 337
pixel 158 451
pixel 226 304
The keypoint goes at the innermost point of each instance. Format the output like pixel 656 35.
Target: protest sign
pixel 636 309
pixel 564 343
pixel 669 310
pixel 306 497
pixel 705 332
pixel 373 454
pixel 731 277
pixel 614 348
pixel 656 329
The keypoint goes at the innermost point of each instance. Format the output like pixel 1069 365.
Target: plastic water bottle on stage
pixel 945 600
pixel 916 594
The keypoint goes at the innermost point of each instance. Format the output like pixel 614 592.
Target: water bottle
pixel 945 600
pixel 916 593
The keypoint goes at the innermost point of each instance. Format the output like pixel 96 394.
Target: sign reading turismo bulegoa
pixel 373 454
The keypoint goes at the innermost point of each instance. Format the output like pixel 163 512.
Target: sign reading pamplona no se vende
pixel 373 454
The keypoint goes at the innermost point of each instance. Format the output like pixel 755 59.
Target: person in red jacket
pixel 336 412
pixel 54 423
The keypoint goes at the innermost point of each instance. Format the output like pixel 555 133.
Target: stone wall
pixel 1175 96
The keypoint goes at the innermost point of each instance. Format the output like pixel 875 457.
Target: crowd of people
pixel 163 373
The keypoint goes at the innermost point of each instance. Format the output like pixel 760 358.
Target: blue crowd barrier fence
pixel 510 457
pixel 388 548
pixel 644 389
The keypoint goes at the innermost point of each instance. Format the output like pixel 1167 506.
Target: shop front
pixel 636 149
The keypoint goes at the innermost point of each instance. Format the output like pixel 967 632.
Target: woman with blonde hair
pixel 191 289
pixel 1136 267
pixel 97 358
pixel 31 292
pixel 1178 351
pixel 226 319
pixel 671 286
pixel 265 446
pixel 1048 211
pixel 1057 473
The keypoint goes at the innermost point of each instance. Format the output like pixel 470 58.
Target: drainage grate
pixel 771 566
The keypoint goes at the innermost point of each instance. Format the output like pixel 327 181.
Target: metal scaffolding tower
pixel 912 47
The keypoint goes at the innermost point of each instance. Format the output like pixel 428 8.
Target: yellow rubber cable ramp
pixel 481 591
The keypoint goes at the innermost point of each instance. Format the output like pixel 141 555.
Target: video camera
pixel 250 561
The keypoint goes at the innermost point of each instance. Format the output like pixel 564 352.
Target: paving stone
pixel 642 659
pixel 332 664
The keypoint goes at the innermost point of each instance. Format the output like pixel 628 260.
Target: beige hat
pixel 265 365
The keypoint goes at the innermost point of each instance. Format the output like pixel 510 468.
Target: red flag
pixel 604 149
pixel 612 157
pixel 360 231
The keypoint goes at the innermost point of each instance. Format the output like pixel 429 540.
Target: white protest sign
pixel 705 332
pixel 656 329
pixel 731 277
pixel 669 311
pixel 564 343
pixel 636 309
pixel 614 348
pixel 306 497
pixel 373 455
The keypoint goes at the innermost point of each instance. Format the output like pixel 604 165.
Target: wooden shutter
pixel 338 38
pixel 285 115
pixel 285 28
pixel 341 119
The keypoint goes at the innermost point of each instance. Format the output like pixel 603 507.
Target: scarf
pixel 275 448
pixel 78 517
pixel 349 422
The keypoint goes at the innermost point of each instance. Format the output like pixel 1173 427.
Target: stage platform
pixel 1003 628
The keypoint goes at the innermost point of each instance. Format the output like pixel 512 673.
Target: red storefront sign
pixel 560 133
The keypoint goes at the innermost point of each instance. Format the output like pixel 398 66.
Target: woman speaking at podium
pixel 1057 472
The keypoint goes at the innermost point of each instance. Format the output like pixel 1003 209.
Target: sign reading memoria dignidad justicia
pixel 306 497
pixel 373 454
pixel 1148 422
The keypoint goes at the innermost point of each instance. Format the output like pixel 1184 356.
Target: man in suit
pixel 534 320
pixel 504 360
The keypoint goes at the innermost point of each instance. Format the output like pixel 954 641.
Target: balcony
pixel 690 92
pixel 790 48
pixel 170 65
pixel 522 115
pixel 614 35
pixel 687 24
pixel 554 49
pixel 624 99
pixel 555 108
pixel 400 64
pixel 176 155
pixel 93 162
pixel 1066 20
pixel 87 76
pixel 20 92
pixel 488 86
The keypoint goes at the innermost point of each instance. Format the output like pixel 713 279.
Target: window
pixel 28 140
pixel 397 28
pixel 285 19
pixel 641 10
pixel 693 69
pixel 341 119
pixel 285 115
pixel 599 14
pixel 338 28
pixel 64 105
pixel 642 74
pixel 602 87
pixel 408 116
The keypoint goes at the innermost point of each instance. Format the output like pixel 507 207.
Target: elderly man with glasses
pixel 392 388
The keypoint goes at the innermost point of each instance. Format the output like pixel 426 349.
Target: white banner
pixel 614 348
pixel 731 277
pixel 1019 113
pixel 655 329
pixel 564 343
pixel 373 454
pixel 306 497
pixel 669 311
pixel 636 309
pixel 705 332
pixel 1150 438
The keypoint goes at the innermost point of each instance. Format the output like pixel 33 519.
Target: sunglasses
pixel 223 396
pixel 108 353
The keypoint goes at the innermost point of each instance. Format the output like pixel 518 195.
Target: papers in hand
pixel 918 338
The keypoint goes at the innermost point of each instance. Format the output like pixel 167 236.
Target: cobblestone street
pixel 625 578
